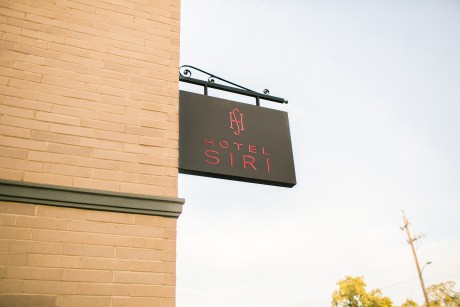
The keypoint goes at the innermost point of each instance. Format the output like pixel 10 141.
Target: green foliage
pixel 443 295
pixel 409 303
pixel 352 293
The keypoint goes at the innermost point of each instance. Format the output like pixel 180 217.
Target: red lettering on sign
pixel 252 148
pixel 224 144
pixel 231 159
pixel 209 153
pixel 249 160
pixel 268 165
pixel 264 153
pixel 238 145
pixel 234 120
pixel 206 141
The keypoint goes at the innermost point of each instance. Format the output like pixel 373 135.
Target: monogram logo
pixel 236 118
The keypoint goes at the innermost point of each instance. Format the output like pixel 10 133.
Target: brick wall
pixel 88 99
pixel 53 256
pixel 89 93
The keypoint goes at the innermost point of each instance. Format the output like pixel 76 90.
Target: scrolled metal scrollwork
pixel 185 72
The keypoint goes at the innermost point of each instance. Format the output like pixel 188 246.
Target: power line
pixel 398 283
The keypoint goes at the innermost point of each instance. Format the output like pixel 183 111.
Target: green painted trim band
pixel 34 193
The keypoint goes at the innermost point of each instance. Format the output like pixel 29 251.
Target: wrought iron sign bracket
pixel 186 76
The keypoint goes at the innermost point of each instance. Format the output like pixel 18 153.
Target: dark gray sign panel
pixel 231 140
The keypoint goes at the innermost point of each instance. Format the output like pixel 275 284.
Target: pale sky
pixel 374 108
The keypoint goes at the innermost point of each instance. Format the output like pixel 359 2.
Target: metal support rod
pixel 411 242
pixel 185 76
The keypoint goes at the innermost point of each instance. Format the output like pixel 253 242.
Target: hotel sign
pixel 231 140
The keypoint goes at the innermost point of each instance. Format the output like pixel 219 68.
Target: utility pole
pixel 411 242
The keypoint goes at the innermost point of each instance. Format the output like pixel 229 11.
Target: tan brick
pixel 15 131
pixel 27 104
pixel 168 302
pixel 140 231
pixel 168 291
pixel 39 69
pixel 138 188
pixel 145 290
pixel 80 300
pixel 148 150
pixel 170 233
pixel 105 263
pixel 90 183
pixel 40 222
pixel 97 163
pixel 95 227
pixel 114 155
pixel 39 52
pixel 78 131
pixel 90 99
pixel 36 247
pixel 168 255
pixel 13 259
pixel 106 57
pixel 147 266
pixel 60 212
pixel 44 36
pixel 56 236
pixel 149 243
pixel 49 287
pixel 144 131
pixel 69 149
pixel 58 118
pixel 94 289
pixel 77 5
pixel 61 82
pixel 86 275
pixel 22 272
pixel 53 261
pixel 19 74
pixel 137 253
pixel 136 301
pixel 48 179
pixel 11 13
pixel 14 233
pixel 9 174
pixel 75 171
pixel 169 279
pixel 138 278
pixel 157 221
pixel 29 25
pixel 83 96
pixel 7 220
pixel 51 157
pixel 21 300
pixel 74 112
pixel 63 48
pixel 23 123
pixel 102 144
pixel 88 250
pixel 21 93
pixel 66 65
pixel 103 107
pixel 143 169
pixel 4 245
pixel 17 208
pixel 10 286
pixel 54 137
pixel 110 217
